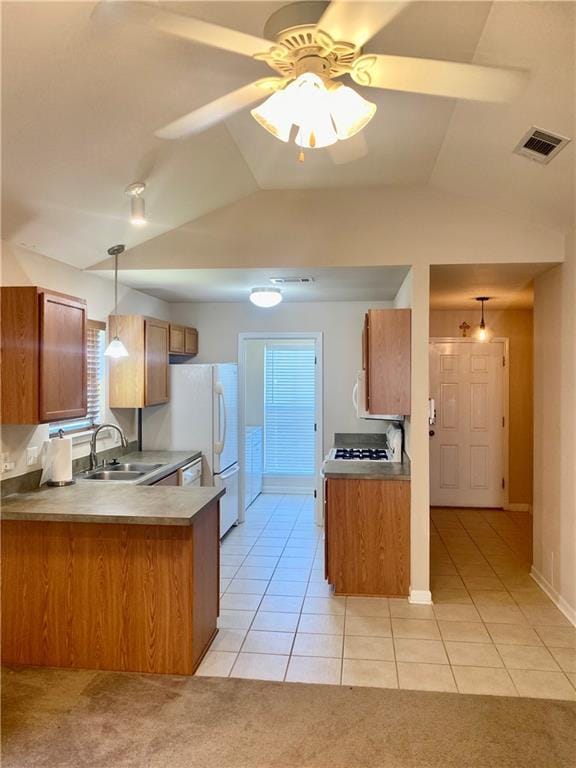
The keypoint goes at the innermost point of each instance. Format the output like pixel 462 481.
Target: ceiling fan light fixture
pixel 350 111
pixel 275 115
pixel 265 297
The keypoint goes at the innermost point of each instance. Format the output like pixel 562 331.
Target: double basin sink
pixel 115 472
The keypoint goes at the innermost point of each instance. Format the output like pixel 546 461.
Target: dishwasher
pixel 191 474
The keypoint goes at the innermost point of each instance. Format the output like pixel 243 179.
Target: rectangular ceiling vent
pixel 540 146
pixel 291 280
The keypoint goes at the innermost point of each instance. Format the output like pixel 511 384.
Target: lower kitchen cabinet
pixel 367 536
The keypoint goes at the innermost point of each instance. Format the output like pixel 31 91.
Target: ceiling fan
pixel 310 45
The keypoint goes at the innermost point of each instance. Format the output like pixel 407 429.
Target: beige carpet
pixel 75 719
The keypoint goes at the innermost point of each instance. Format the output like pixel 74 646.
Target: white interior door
pixel 467 461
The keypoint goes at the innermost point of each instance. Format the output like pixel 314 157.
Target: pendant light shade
pixel 483 333
pixel 137 204
pixel 115 348
pixel 350 112
pixel 265 297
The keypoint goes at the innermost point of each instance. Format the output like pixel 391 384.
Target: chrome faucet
pixel 93 458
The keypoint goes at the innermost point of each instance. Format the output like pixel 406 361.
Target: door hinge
pixel 503 483
pixel 315 360
pixel 315 494
pixel 503 421
pixel 315 427
pixel 504 361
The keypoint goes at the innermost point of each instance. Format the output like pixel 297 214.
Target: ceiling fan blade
pixel 438 78
pixel 357 22
pixel 349 150
pixel 220 109
pixel 186 27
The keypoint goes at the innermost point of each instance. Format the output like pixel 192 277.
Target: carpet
pixel 76 719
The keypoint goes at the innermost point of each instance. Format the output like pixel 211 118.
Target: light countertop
pixel 120 501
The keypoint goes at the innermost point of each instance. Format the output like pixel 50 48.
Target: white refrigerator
pixel 203 414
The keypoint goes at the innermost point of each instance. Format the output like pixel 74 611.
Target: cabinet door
pixel 62 356
pixel 156 333
pixel 177 339
pixel 257 468
pixel 191 341
pixel 388 361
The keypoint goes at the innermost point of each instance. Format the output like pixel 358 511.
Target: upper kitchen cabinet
pixel 43 356
pixel 386 361
pixel 183 340
pixel 141 379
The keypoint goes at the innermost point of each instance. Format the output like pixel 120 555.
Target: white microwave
pixel 359 402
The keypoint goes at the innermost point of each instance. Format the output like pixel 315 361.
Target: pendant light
pixel 483 333
pixel 115 348
pixel 137 205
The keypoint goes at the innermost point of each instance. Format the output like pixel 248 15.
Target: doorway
pixel 469 439
pixel 280 377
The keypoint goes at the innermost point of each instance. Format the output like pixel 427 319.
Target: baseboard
pixel 420 597
pixel 286 490
pixel 556 598
pixel 518 508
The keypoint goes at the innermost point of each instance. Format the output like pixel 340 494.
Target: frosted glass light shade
pixel 116 349
pixel 350 111
pixel 265 297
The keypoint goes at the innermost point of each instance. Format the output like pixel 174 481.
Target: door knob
pixel 431 433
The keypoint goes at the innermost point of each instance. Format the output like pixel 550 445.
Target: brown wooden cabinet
pixel 141 379
pixel 183 340
pixel 386 358
pixel 43 356
pixel 367 536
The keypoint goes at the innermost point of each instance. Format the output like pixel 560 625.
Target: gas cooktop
pixel 360 454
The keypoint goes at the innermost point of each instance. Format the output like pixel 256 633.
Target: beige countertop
pixel 367 470
pixel 111 503
pixel 137 503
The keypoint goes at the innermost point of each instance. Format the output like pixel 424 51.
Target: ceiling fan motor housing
pixel 301 47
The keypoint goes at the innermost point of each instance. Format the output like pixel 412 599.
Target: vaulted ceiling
pixel 82 99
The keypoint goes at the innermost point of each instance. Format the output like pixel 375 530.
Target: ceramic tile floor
pixel 491 629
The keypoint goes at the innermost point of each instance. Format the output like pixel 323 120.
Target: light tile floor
pixel 491 629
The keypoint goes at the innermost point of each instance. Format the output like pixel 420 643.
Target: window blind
pixel 95 338
pixel 289 409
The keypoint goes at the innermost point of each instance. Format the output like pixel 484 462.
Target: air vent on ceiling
pixel 540 146
pixel 291 280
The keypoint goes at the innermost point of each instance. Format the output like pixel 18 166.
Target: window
pixel 289 409
pixel 95 337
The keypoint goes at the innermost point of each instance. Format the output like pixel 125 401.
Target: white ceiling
pixel 81 101
pixel 509 286
pixel 330 284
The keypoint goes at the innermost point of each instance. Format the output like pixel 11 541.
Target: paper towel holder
pixel 60 483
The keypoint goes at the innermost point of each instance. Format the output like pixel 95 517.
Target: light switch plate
pixel 32 456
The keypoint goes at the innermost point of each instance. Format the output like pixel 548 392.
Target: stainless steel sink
pixel 135 467
pixel 105 474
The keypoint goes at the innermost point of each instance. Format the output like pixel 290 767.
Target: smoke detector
pixel 540 146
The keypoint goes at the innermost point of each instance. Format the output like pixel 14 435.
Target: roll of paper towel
pixel 59 460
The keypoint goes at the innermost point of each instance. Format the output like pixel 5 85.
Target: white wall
pixel 340 322
pixel 555 431
pixel 23 267
pixel 254 404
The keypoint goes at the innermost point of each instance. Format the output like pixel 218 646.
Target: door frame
pixel 318 338
pixel 506 395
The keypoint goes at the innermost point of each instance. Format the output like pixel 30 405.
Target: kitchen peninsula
pixel 115 577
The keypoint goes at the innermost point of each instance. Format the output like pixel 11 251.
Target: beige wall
pixel 555 431
pixel 23 267
pixel 516 325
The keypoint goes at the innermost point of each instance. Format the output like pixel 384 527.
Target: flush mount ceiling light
pixel 115 348
pixel 265 297
pixel 137 205
pixel 304 41
pixel 483 332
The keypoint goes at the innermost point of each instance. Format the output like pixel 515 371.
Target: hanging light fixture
pixel 483 333
pixel 323 111
pixel 137 204
pixel 115 348
pixel 265 297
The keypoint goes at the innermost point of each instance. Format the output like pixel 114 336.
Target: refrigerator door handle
pixel 355 398
pixel 219 445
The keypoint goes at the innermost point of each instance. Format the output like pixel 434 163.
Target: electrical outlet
pixel 31 456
